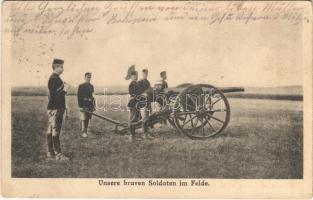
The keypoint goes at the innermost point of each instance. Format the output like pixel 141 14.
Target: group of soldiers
pixel 138 90
pixel 57 106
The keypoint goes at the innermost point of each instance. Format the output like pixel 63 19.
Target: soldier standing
pixel 134 91
pixel 145 86
pixel 56 108
pixel 164 89
pixel 86 103
pixel 144 82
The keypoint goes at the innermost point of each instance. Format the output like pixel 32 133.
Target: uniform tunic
pixel 56 93
pixel 85 95
pixel 144 84
pixel 164 85
pixel 134 91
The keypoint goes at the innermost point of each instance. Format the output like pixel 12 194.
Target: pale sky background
pixel 257 54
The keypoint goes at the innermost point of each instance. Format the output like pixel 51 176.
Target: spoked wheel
pixel 201 111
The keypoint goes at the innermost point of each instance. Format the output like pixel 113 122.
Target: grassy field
pixel 263 140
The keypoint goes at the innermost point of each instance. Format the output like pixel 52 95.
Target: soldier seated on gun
pixel 86 103
pixel 146 99
pixel 56 108
pixel 134 91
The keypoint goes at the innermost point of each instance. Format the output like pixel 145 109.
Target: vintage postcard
pixel 156 99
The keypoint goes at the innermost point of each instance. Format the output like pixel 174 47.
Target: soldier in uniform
pixel 144 82
pixel 56 108
pixel 85 102
pixel 134 92
pixel 164 85
pixel 146 97
pixel 163 88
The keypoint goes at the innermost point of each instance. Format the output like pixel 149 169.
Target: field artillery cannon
pixel 200 111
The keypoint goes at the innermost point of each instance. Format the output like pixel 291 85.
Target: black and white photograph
pixel 153 93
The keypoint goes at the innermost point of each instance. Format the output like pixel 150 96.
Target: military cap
pixel 88 74
pixel 130 69
pixel 163 73
pixel 58 61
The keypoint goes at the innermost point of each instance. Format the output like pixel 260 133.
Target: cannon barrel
pixel 231 89
pixel 222 89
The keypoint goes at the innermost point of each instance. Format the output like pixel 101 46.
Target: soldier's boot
pixel 50 156
pixel 57 149
pixel 146 134
pixel 83 128
pixel 56 144
pixel 134 136
pixel 61 157
pixel 87 127
pixel 50 152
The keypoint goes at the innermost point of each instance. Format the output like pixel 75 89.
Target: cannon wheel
pixel 201 111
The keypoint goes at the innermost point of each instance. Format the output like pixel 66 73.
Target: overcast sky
pixel 256 54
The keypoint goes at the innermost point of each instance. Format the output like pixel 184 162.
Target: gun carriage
pixel 199 111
